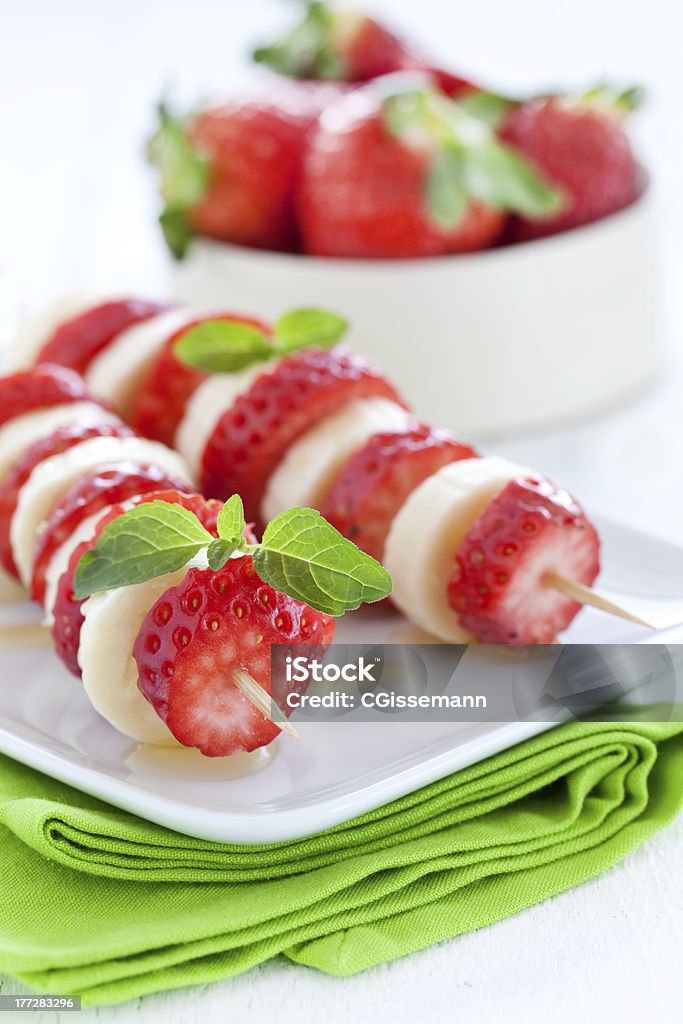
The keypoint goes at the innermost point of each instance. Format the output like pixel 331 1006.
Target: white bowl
pixel 504 339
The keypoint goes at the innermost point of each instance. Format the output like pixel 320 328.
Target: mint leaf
pixel 302 555
pixel 219 551
pixel 231 522
pixel 184 178
pixel 302 328
pixel 446 191
pixel 497 175
pixel 227 346
pixel 147 541
pixel 306 50
pixel 223 346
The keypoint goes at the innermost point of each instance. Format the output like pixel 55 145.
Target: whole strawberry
pixel 581 147
pixel 230 172
pixel 346 46
pixel 409 175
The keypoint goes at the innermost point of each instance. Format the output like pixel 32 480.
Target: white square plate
pixel 339 769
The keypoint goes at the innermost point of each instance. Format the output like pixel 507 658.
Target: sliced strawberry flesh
pixel 39 388
pixel 67 611
pixel 110 485
pixel 77 341
pixel 198 634
pixel 254 433
pixel 160 405
pixel 376 481
pixel 55 443
pixel 500 587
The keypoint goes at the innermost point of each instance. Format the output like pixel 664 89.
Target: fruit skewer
pixel 479 548
pixel 158 598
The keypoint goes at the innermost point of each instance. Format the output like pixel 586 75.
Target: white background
pixel 78 81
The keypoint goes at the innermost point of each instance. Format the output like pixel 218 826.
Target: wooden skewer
pixel 262 700
pixel 24 634
pixel 584 595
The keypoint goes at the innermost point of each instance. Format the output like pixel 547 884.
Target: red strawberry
pixel 340 45
pixel 365 191
pixel 77 341
pixel 450 84
pixel 39 388
pixel 59 441
pixel 530 529
pixel 110 485
pixel 254 433
pixel 581 148
pixel 160 405
pixel 231 173
pixel 67 611
pixel 198 634
pixel 375 482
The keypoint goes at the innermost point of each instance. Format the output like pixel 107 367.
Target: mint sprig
pixel 306 51
pixel 304 556
pixel 147 541
pixel 228 346
pixel 184 178
pixel 301 554
pixel 470 162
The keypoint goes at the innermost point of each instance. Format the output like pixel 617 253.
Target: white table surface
pixel 78 80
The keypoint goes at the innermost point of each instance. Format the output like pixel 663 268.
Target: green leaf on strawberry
pixel 469 162
pixel 222 346
pixel 184 179
pixel 301 554
pixel 447 189
pixel 489 107
pixel 612 98
pixel 305 51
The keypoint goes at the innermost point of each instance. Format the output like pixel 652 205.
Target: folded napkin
pixel 99 903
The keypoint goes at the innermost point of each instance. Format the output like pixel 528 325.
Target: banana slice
pixel 18 434
pixel 36 330
pixel 308 468
pixel 110 675
pixel 51 479
pixel 60 560
pixel 213 397
pixel 118 372
pixel 427 532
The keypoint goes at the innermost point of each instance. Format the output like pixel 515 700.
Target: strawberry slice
pixel 39 388
pixel 110 485
pixel 376 481
pixel 254 433
pixel 55 443
pixel 532 528
pixel 67 611
pixel 160 405
pixel 198 634
pixel 77 341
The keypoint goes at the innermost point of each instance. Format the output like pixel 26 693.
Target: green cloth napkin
pixel 99 903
